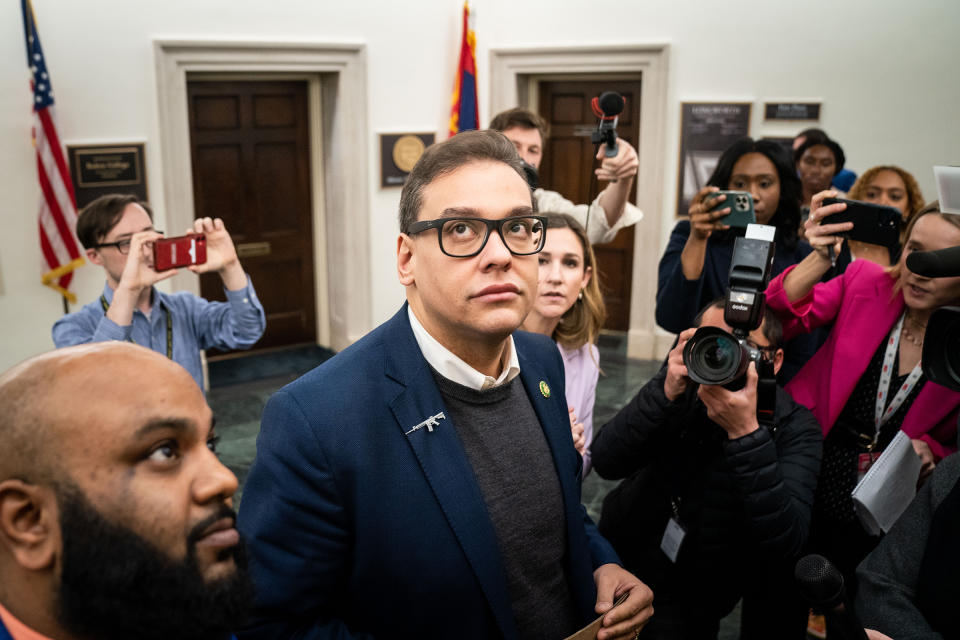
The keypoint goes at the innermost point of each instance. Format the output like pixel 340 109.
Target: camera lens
pixel 714 357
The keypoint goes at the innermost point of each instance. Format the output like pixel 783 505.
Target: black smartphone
pixel 873 223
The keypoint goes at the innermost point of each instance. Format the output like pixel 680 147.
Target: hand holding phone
pixel 872 223
pixel 740 204
pixel 171 253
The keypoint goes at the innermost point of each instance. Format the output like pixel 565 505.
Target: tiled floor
pixel 240 389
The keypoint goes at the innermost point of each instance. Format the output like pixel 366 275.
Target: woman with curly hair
pixel 569 308
pixel 891 186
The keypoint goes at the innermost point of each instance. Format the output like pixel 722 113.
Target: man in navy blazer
pixel 423 482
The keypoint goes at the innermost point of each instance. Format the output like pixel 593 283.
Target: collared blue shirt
pixel 197 324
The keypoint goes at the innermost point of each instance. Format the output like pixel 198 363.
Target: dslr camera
pixel 716 357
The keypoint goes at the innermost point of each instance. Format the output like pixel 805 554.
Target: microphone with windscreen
pixel 607 107
pixel 821 584
pixel 944 263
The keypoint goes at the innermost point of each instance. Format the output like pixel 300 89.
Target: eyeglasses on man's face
pixel 466 237
pixel 123 246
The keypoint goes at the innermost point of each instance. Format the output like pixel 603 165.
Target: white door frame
pixel 339 152
pixel 510 71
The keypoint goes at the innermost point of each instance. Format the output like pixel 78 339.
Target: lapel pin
pixel 544 388
pixel 429 423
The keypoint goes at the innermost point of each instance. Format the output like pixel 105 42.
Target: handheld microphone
pixel 607 106
pixel 944 263
pixel 821 584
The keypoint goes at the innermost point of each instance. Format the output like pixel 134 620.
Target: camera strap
pixel 766 395
pixel 880 415
pixel 106 307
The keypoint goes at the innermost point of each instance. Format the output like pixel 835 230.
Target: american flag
pixel 58 208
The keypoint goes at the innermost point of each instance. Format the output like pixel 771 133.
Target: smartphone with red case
pixel 170 253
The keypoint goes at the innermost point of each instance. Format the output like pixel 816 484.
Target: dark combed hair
pixel 523 118
pixel 816 139
pixel 97 218
pixel 787 216
pixel 772 327
pixel 448 156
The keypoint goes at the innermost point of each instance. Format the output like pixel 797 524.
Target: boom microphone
pixel 608 107
pixel 944 263
pixel 821 584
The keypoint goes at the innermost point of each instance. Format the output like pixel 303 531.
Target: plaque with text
pixel 791 111
pixel 706 130
pixel 398 153
pixel 102 169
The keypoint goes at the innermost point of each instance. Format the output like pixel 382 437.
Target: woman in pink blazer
pixel 865 383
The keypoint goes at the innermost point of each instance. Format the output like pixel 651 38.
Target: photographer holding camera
pixel 714 507
pixel 117 233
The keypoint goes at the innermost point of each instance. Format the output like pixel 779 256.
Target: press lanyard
pixel 106 307
pixel 879 415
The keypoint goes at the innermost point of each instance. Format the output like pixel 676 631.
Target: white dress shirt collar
pixel 451 367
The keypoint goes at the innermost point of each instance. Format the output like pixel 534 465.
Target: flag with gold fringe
pixel 58 205
pixel 464 114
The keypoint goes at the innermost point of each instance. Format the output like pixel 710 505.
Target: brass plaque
pixel 253 249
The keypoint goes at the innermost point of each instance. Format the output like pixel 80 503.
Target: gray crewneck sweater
pixel 514 468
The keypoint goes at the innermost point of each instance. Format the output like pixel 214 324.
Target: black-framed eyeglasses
pixel 768 352
pixel 123 246
pixel 466 237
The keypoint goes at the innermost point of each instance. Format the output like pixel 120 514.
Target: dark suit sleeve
pixel 634 436
pixel 678 299
pixel 292 518
pixel 777 477
pixel 888 578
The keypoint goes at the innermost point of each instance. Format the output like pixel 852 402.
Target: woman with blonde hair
pixel 569 308
pixel 865 384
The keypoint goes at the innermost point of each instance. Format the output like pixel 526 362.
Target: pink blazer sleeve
pixel 819 307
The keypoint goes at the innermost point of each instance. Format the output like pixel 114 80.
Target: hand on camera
pixel 703 221
pixel 622 165
pixel 138 273
pixel 735 411
pixel 675 384
pixel 822 236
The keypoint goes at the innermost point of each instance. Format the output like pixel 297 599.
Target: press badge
pixel 673 537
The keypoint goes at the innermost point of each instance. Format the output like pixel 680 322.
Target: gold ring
pixel 636 634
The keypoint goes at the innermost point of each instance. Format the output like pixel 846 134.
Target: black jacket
pixel 744 503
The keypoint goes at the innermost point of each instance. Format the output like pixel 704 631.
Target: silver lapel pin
pixel 429 423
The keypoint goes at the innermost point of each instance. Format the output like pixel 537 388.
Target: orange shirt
pixel 18 630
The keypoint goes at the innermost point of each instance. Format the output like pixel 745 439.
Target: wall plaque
pixel 398 153
pixel 706 130
pixel 102 169
pixel 791 111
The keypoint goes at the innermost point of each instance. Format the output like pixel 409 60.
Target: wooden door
pixel 251 166
pixel 567 167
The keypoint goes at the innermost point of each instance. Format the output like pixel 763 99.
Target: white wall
pixel 885 72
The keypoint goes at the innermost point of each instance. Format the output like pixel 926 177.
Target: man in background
pixel 610 211
pixel 117 233
pixel 115 513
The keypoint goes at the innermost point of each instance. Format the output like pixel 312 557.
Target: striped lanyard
pixel 880 416
pixel 106 307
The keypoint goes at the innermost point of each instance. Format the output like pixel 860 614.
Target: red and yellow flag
pixel 464 114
